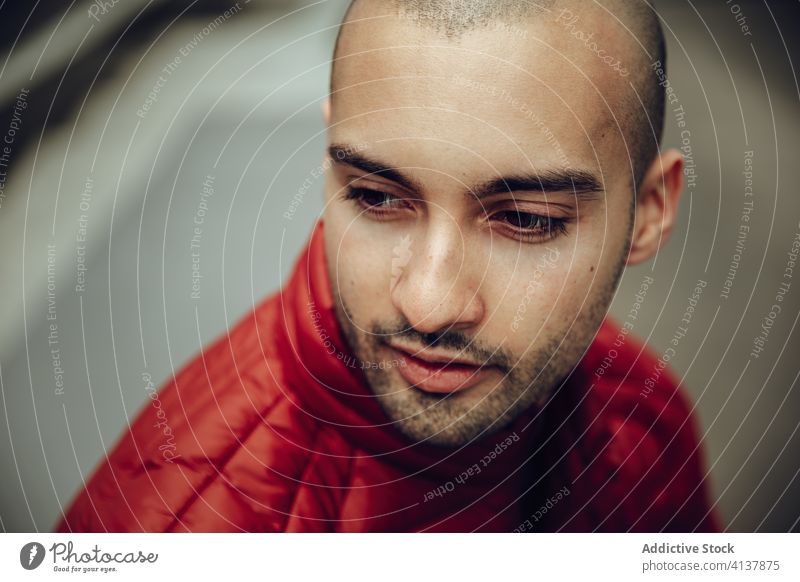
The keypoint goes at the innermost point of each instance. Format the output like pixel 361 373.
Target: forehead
pixel 524 91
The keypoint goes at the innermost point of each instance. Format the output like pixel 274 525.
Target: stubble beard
pixel 454 420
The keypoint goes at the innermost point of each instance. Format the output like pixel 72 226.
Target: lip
pixel 438 373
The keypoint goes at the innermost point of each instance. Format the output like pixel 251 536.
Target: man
pixel 440 359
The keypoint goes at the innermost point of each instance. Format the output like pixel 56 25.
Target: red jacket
pixel 265 431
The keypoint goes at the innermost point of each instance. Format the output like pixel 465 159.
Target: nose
pixel 438 287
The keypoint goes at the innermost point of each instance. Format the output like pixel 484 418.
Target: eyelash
pixel 361 197
pixel 553 228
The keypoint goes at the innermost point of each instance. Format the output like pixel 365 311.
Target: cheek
pixel 544 293
pixel 603 232
pixel 360 265
pixel 528 295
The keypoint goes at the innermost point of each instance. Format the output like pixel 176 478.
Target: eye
pixel 530 227
pixel 375 202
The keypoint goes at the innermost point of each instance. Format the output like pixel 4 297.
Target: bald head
pixel 637 105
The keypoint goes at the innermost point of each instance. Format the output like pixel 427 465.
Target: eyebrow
pixel 580 182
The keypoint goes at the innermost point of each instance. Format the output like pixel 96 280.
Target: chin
pixel 446 420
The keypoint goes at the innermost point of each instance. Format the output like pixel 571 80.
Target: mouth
pixel 438 373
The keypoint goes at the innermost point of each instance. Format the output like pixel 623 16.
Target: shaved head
pixel 639 108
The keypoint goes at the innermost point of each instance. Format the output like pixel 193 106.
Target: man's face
pixel 472 276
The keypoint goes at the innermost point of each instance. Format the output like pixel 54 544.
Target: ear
pixel 326 110
pixel 656 205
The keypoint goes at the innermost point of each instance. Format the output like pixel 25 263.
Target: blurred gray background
pixel 100 175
